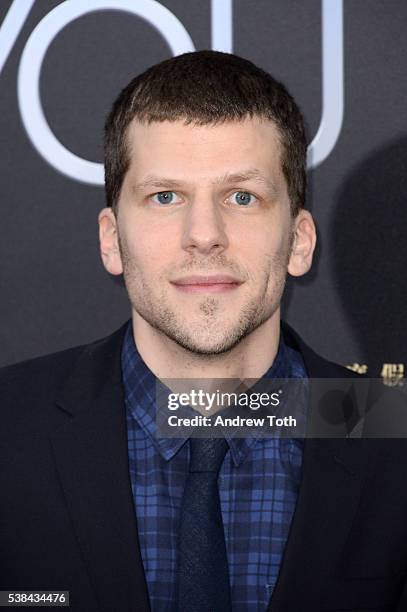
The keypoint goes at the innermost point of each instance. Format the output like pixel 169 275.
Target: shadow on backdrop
pixel 367 238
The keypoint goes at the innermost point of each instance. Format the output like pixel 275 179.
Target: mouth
pixel 210 288
pixel 206 284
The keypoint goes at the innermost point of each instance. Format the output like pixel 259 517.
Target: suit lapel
pixel 332 476
pixel 92 461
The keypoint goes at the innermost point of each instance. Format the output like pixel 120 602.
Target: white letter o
pixel 33 55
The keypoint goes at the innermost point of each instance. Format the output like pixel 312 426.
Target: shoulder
pixel 315 365
pixel 364 406
pixel 30 385
pixel 28 390
pixel 34 373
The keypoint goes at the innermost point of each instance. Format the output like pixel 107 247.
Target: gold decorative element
pixel 360 368
pixel 393 374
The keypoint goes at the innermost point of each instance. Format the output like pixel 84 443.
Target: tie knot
pixel 207 454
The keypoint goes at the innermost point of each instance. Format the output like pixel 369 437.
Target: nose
pixel 204 228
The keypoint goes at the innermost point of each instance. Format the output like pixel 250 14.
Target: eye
pixel 243 198
pixel 165 197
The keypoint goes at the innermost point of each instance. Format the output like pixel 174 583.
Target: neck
pixel 251 358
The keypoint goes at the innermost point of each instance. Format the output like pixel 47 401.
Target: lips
pixel 217 283
pixel 216 279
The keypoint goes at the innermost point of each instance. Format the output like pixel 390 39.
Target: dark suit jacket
pixel 67 519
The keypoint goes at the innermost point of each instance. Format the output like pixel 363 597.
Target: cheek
pixel 263 246
pixel 272 259
pixel 151 255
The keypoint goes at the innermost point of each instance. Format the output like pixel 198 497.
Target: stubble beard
pixel 209 333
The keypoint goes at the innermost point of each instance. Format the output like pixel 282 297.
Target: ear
pixel 304 240
pixel 109 245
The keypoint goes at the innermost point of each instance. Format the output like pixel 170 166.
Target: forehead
pixel 204 150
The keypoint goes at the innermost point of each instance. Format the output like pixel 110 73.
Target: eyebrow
pixel 226 179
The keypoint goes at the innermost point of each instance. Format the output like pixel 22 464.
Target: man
pixel 205 181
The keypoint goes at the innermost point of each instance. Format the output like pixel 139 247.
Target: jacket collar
pixel 316 366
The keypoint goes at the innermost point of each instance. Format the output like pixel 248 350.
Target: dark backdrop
pixel 54 290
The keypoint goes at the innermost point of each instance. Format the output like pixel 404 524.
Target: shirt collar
pixel 140 391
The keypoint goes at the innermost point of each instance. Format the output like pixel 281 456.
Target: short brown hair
pixel 206 87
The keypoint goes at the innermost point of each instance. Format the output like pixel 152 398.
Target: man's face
pixel 208 200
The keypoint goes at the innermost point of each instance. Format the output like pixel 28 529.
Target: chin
pixel 215 344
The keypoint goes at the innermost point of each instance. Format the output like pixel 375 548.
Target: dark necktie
pixel 203 567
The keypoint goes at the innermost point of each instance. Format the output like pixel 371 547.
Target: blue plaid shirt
pixel 258 487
